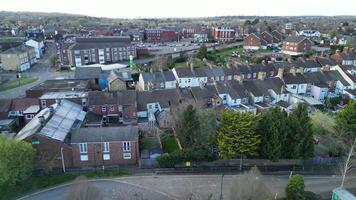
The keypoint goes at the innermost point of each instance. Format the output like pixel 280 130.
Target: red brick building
pixel 296 45
pixel 161 35
pixel 255 41
pixel 223 34
pixel 114 107
pixel 104 146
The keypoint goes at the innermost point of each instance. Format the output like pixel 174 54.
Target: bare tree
pixel 82 189
pixel 350 163
pixel 250 186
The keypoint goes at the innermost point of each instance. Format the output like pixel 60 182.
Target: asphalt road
pixel 186 187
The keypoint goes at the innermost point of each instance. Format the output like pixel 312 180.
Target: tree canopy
pixel 237 134
pixel 273 128
pixel 202 52
pixel 346 119
pixel 16 161
pixel 295 188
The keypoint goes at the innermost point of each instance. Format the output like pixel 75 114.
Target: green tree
pixel 188 127
pixel 346 119
pixel 299 140
pixel 295 188
pixel 333 33
pixel 202 52
pixel 272 128
pixel 207 136
pixel 16 161
pixel 237 134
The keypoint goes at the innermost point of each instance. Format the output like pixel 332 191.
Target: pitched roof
pixel 18 49
pixel 104 134
pixel 5 105
pixel 89 72
pixel 348 56
pixel 168 76
pixel 23 103
pixel 291 79
pixel 184 72
pixel 165 98
pixel 326 61
pixel 153 77
pixel 102 98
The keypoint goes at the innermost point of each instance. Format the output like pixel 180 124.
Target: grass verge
pixel 18 83
pixel 36 183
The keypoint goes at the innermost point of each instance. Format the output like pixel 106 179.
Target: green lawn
pixel 180 64
pixel 169 144
pixel 18 82
pixel 227 52
pixel 37 183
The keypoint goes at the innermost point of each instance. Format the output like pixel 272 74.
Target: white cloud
pixel 184 8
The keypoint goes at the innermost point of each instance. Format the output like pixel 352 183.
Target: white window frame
pixel 106 147
pixel 83 148
pixel 103 108
pixel 126 146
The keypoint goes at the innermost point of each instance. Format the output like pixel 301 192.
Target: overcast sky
pixel 184 8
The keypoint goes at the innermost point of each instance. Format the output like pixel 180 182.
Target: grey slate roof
pixel 105 134
pixel 326 61
pixel 184 72
pixel 297 79
pixel 165 98
pixel 168 76
pixel 102 98
pixel 89 72
pixel 348 56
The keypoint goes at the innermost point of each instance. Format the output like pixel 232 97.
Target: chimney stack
pixel 301 70
pixel 346 49
pixel 280 72
pixel 326 68
pixel 261 75
pixel 293 71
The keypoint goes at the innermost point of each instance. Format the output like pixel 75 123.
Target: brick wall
pixel 95 154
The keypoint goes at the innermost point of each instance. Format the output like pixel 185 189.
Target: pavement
pixel 186 187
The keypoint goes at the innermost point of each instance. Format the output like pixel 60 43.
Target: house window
pixel 29 116
pixel 83 151
pixel 43 103
pixel 106 147
pixel 83 148
pixel 150 107
pixel 103 108
pixel 126 146
pixel 111 108
pixel 127 156
pixel 156 105
pixel 294 87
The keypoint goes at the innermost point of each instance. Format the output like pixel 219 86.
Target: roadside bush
pixel 176 157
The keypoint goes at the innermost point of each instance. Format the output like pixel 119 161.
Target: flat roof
pixel 64 95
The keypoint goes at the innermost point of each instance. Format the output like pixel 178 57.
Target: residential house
pixel 105 146
pixel 255 41
pixel 161 35
pixel 185 77
pixel 156 80
pixel 295 82
pixel 296 45
pixel 120 80
pixel 345 58
pixel 19 58
pixel 38 45
pixel 19 105
pixel 309 33
pixel 277 37
pixel 206 95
